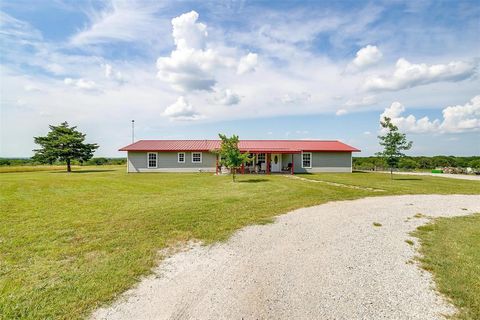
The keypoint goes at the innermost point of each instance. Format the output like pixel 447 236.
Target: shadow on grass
pixel 83 171
pixel 252 181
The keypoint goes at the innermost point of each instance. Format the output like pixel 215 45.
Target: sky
pixel 258 69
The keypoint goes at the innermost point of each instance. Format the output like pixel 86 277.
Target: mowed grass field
pixel 7 169
pixel 451 251
pixel 72 242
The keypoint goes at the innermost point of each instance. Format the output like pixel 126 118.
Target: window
pixel 196 157
pixel 181 157
pixel 306 160
pixel 151 160
pixel 261 158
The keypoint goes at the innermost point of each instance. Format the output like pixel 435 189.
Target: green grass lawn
pixel 6 169
pixel 451 251
pixel 71 242
pixel 401 184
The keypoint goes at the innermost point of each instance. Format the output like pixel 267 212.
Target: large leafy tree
pixel 393 143
pixel 63 143
pixel 230 155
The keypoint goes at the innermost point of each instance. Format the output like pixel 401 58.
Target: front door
pixel 276 162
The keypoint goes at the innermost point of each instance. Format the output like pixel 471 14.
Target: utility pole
pixel 133 131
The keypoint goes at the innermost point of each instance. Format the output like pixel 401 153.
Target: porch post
pixel 268 163
pixel 243 168
pixel 216 165
pixel 293 164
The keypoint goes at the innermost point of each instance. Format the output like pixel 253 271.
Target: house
pixel 270 156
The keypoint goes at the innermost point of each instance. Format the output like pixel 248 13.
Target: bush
pixel 406 163
pixel 92 162
pixel 369 163
pixel 97 161
pixel 474 164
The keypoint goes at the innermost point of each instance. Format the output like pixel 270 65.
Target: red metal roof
pixel 270 146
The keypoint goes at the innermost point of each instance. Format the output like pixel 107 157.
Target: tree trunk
pixel 233 173
pixel 391 173
pixel 69 168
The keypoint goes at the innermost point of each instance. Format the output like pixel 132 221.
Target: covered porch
pixel 267 162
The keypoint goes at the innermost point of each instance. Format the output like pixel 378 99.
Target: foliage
pixel 418 163
pixel 98 161
pixel 393 143
pixel 449 248
pixel 230 155
pixel 407 163
pixel 63 143
pixel 475 164
pixel 72 242
pixel 15 162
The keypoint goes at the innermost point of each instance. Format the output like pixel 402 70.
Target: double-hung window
pixel 181 157
pixel 307 160
pixel 152 160
pixel 196 157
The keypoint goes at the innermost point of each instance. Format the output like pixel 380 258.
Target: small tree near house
pixel 393 143
pixel 230 155
pixel 63 143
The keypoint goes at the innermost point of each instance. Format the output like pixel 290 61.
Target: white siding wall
pixel 322 162
pixel 167 162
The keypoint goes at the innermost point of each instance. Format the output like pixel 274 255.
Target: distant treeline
pixel 92 162
pixel 413 163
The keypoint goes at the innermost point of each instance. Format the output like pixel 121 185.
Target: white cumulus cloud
pixel 341 112
pixel 367 57
pixel 227 97
pixel 456 119
pixel 193 64
pixel 190 66
pixel 181 110
pixel 188 33
pixel 462 118
pixel 409 123
pixel 247 63
pixel 407 75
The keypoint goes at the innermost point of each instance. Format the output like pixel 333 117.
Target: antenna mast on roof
pixel 133 131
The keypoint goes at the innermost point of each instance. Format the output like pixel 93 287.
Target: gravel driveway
pixel 322 262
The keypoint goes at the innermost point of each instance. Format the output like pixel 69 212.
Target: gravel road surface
pixel 322 262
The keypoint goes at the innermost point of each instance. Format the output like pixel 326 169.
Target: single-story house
pixel 269 156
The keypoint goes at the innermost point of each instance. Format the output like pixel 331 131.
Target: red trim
pixel 216 166
pixel 268 163
pixel 161 150
pixel 263 146
pixel 241 150
pixel 328 151
pixel 293 164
